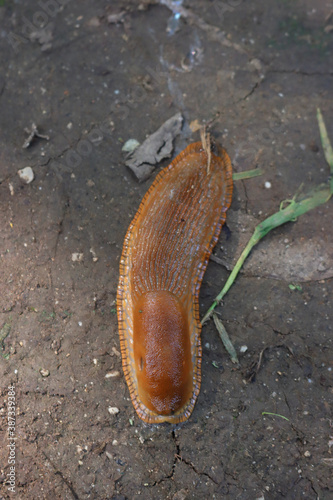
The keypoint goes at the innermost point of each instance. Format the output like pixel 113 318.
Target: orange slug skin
pixel 165 254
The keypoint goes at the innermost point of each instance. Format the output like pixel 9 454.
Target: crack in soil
pixel 190 464
pixel 298 72
pixel 57 472
pixel 254 88
pixel 65 210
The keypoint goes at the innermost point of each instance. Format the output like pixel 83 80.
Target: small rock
pixel 95 258
pixel 77 257
pixel 243 348
pixel 180 495
pixel 116 352
pixel 116 18
pixel 195 125
pixel 256 64
pixel 307 454
pixel 113 374
pixel 322 267
pixel 268 185
pixel 94 22
pixel 130 145
pixel 26 175
pixel 44 373
pixel 113 410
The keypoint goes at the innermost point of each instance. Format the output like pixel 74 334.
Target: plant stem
pixel 299 205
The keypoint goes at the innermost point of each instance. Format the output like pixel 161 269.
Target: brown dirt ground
pixel 257 69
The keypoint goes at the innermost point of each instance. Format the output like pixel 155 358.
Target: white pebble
pixel 243 348
pixel 130 145
pixel 268 185
pixel 113 374
pixel 26 174
pixel 77 257
pixel 113 410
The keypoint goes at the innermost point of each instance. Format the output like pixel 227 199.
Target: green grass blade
pixel 274 415
pixel 248 174
pixel 328 151
pixel 299 205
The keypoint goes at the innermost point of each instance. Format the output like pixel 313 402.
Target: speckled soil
pixel 91 79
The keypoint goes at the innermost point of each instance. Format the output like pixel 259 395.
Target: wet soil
pixel 92 75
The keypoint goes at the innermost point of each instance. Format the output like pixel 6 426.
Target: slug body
pixel 165 255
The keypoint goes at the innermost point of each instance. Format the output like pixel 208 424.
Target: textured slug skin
pixel 165 254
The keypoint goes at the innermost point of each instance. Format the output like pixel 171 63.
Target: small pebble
pixel 130 145
pixel 268 185
pixel 243 348
pixel 77 257
pixel 44 373
pixel 113 410
pixel 116 352
pixel 113 374
pixel 307 454
pixel 95 258
pixel 321 267
pixel 26 174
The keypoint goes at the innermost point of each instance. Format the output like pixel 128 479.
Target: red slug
pixel 165 254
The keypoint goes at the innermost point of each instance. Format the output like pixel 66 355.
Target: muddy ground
pixel 92 75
